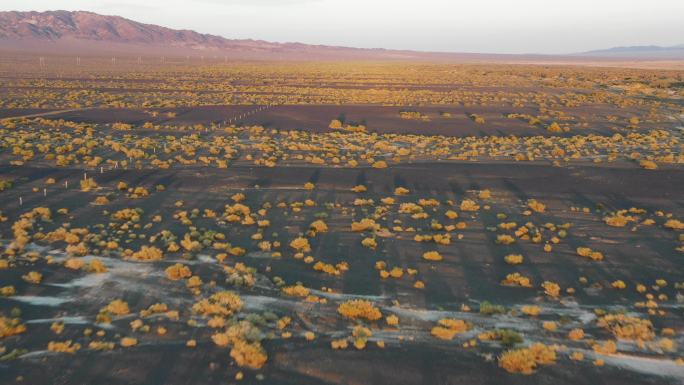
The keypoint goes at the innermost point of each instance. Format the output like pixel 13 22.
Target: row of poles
pixel 244 115
pixel 162 59
pixel 85 177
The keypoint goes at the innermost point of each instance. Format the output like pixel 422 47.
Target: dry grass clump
pixel 330 268
pixel 555 128
pixel 516 279
pixel 477 118
pixel 101 200
pixel 674 224
pixel 339 344
pixel 74 263
pixel 401 191
pixel 531 310
pixel 469 205
pixel 177 272
pixel 648 164
pixel 365 224
pixel 248 354
pixel 223 303
pixel 138 192
pixel 551 289
pixel 127 342
pixel 432 256
pixel 88 184
pixel 576 334
pixel 504 239
pixel 369 243
pixel 5 184
pixel 359 309
pixel 319 226
pixel 507 337
pixel 448 328
pixel 379 164
pixel 536 206
pixel 526 360
pixel 7 291
pixel 617 220
pixel 607 347
pixel 360 336
pixel 296 291
pixel 300 244
pixel 63 347
pixel 514 259
pixel 392 320
pixel 586 252
pixel 10 326
pixel 32 277
pixel 627 327
pixel 147 254
pixel 127 214
pixel 413 115
pixel 116 307
pixel 240 275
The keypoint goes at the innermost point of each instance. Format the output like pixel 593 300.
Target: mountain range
pixel 67 32
pixel 646 51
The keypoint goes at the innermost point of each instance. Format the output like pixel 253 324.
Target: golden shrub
pixel 627 327
pixel 576 334
pixel 223 303
pixel 359 309
pixel 63 347
pixel 551 289
pixel 448 328
pixel 10 326
pixel 432 256
pixel 296 291
pixel 536 206
pixel 469 205
pixel 514 259
pixel 128 342
pixel 589 253
pixel 177 271
pixel 147 254
pixel 319 226
pixel 365 224
pixel 250 355
pixel 516 279
pixel 300 244
pixel 526 360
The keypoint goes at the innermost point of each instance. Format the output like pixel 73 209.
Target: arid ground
pixel 357 223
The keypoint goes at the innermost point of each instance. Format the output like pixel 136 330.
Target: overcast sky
pixel 500 26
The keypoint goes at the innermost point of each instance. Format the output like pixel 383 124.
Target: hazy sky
pixel 501 26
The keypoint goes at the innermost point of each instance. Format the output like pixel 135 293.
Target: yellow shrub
pixel 358 308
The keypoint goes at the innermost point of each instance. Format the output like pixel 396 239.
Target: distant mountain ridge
pixel 56 25
pixel 651 51
pixel 82 32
